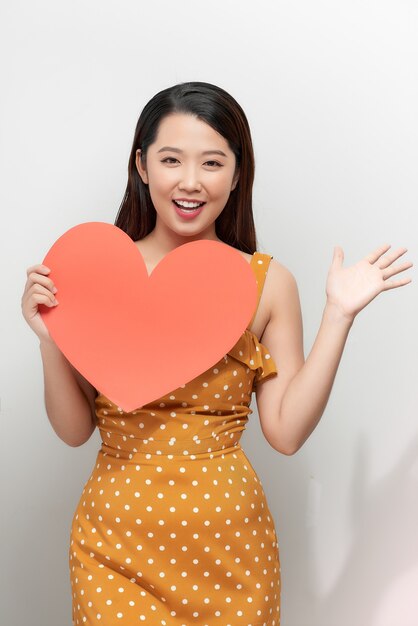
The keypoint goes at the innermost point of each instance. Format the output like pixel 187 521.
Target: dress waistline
pixel 183 450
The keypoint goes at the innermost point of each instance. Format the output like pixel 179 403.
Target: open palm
pixel 352 288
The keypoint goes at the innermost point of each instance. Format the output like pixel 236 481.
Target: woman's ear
pixel 140 167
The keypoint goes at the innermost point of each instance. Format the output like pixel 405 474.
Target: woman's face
pixel 177 168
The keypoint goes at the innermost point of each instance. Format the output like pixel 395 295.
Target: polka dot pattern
pixel 173 527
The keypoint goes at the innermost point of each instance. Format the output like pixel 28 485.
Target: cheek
pixel 163 181
pixel 220 184
pixel 161 178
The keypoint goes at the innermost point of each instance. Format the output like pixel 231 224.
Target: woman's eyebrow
pixel 181 151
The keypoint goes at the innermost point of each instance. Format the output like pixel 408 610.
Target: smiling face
pixel 189 160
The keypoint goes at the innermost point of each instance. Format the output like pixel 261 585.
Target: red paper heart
pixel 136 338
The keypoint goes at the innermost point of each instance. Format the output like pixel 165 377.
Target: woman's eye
pixel 216 163
pixel 167 159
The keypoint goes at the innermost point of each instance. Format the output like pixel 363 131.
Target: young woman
pixel 173 527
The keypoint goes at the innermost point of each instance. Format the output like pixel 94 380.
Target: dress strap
pixel 260 264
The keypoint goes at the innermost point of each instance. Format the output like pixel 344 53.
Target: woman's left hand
pixel 350 289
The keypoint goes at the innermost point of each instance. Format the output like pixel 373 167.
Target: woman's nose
pixel 190 179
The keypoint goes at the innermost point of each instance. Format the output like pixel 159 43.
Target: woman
pixel 173 527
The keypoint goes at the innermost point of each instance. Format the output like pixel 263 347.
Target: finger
pixel 396 283
pixel 34 274
pixel 376 254
pixel 37 289
pixel 35 278
pixel 39 267
pixel 40 298
pixel 397 269
pixel 385 262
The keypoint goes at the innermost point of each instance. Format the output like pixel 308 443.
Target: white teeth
pixel 188 205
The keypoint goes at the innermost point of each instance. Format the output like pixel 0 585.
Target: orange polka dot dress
pixel 173 527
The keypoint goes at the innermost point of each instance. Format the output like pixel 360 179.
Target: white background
pixel 330 91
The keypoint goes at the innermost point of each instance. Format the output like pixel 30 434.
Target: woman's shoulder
pixel 280 286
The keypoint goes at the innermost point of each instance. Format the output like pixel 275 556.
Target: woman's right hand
pixel 39 289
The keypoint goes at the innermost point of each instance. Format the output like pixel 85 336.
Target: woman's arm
pixel 70 409
pixel 306 396
pixel 69 397
pixel 292 403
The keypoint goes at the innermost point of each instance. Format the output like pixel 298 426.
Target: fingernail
pixel 54 290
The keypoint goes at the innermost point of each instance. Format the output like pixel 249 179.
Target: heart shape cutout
pixel 136 337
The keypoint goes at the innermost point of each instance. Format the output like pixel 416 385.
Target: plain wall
pixel 330 92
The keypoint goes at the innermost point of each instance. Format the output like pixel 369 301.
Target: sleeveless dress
pixel 173 527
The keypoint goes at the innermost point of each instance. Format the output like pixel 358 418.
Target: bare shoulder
pixel 279 287
pixel 281 290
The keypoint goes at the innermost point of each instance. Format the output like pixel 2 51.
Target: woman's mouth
pixel 188 212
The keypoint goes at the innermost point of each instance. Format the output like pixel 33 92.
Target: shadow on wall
pixel 384 549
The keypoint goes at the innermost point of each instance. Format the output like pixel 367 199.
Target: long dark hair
pixel 216 107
